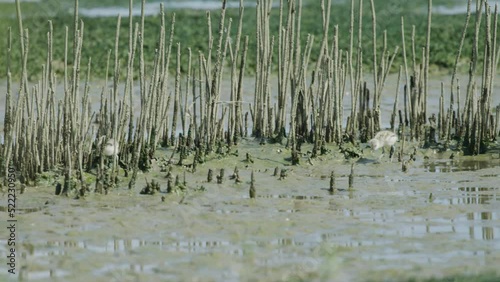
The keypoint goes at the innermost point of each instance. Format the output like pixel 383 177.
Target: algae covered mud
pixel 439 219
pixel 178 165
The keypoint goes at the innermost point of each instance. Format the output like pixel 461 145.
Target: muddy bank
pixel 440 218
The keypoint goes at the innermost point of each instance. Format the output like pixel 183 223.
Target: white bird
pixel 382 139
pixel 111 148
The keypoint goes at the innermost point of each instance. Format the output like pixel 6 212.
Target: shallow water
pixel 423 223
pixel 459 7
pixel 152 8
pixel 387 98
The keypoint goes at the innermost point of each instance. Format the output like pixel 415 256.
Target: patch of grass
pixel 191 31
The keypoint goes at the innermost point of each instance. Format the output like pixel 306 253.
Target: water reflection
pixel 483 232
pixel 22 210
pixel 474 226
pixel 444 166
pixel 289 210
pixel 469 196
pixel 287 196
pixel 25 274
pixel 113 267
pixel 465 200
pixel 226 211
pixel 120 246
pixel 387 228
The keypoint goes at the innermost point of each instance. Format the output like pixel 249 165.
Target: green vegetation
pixel 191 31
pixel 203 43
pixel 486 277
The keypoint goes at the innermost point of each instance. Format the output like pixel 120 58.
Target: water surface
pixel 428 222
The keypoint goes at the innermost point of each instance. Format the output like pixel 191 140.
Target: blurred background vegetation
pixel 191 30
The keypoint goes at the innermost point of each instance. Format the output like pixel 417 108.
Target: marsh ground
pixel 439 219
pixel 387 227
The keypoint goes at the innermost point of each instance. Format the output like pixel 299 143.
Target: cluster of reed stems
pixel 47 130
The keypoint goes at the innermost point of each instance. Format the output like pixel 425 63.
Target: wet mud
pixel 440 218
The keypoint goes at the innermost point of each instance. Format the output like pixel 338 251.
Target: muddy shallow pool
pixel 441 218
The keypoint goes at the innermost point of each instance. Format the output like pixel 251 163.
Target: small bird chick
pixel 382 139
pixel 111 148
